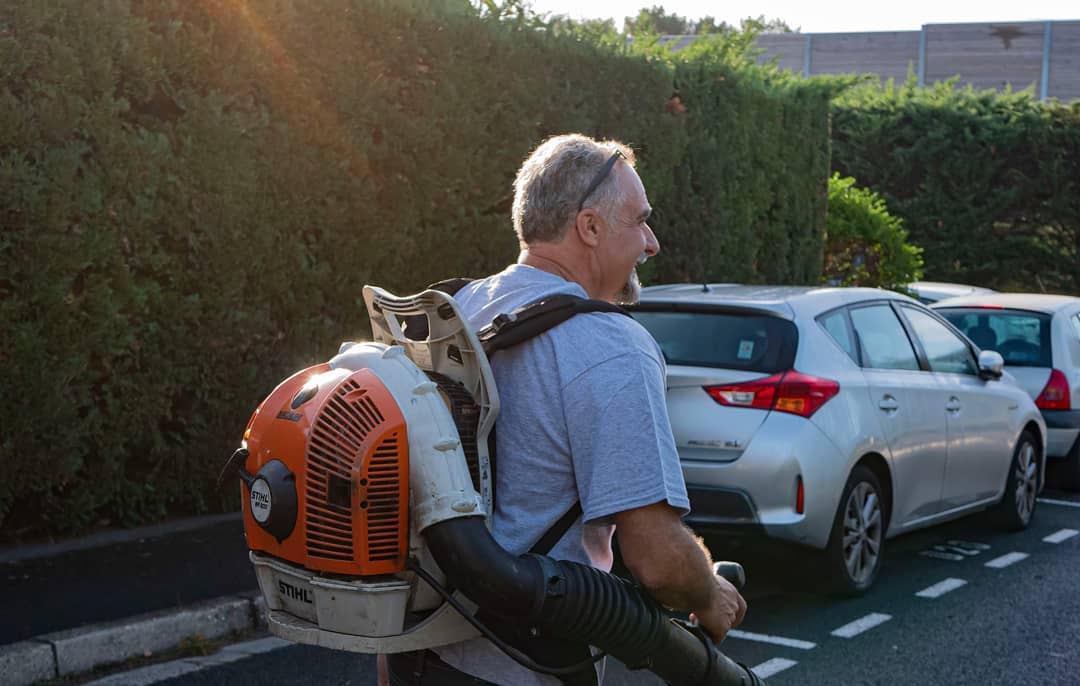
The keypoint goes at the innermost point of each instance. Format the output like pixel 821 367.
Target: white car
pixel 1039 337
pixel 928 292
pixel 837 418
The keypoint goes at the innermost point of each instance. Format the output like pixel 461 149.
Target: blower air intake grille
pixel 383 500
pixel 335 446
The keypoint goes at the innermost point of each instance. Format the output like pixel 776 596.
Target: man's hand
pixel 724 613
pixel 675 567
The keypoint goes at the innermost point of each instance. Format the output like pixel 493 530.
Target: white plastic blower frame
pixel 368 615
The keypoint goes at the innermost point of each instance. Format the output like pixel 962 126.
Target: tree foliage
pixel 864 244
pixel 656 21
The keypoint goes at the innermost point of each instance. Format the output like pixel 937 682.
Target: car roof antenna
pixel 704 288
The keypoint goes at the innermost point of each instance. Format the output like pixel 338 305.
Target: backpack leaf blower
pixel 367 499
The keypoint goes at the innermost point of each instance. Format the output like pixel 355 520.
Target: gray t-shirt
pixel 583 417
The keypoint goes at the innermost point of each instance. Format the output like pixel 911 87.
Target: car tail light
pixel 789 391
pixel 1055 396
pixel 800 497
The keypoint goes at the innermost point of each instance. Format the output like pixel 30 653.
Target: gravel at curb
pixel 168 670
pixel 77 651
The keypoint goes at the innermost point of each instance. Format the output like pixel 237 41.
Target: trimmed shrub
pixel 864 244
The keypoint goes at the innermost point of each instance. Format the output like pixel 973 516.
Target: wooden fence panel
pixel 889 54
pixel 1064 79
pixel 991 55
pixel 986 55
pixel 788 48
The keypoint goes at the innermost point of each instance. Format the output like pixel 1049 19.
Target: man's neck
pixel 555 262
pixel 546 263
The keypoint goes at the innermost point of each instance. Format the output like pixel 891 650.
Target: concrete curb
pixel 77 651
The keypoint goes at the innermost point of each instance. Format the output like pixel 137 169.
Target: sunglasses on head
pixel 599 178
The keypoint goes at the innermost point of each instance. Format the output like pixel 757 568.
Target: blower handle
pixel 732 571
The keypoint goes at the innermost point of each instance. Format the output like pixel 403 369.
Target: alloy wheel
pixel 1026 479
pixel 862 532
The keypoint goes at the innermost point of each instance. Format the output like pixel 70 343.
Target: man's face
pixel 628 240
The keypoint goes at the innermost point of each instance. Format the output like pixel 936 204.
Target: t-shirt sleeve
pixel 620 437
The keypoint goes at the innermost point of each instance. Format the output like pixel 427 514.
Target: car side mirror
pixel 991 364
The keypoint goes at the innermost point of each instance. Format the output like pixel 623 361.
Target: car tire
pixel 1070 468
pixel 1017 504
pixel 857 542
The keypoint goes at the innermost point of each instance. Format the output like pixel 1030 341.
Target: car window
pixel 1022 338
pixel 749 342
pixel 945 351
pixel 835 323
pixel 881 336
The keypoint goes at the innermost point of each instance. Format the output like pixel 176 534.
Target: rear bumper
pixel 1062 429
pixel 722 510
pixel 755 494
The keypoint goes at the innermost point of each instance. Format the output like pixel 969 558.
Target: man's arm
pixel 674 566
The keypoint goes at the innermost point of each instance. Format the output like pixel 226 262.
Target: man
pixel 583 413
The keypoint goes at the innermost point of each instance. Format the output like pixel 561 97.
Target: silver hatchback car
pixel 1039 337
pixel 837 418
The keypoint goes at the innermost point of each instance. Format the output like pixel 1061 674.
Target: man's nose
pixel 652 245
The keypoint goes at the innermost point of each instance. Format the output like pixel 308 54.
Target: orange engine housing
pixel 343 438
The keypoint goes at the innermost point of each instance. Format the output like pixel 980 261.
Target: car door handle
pixel 889 404
pixel 953 406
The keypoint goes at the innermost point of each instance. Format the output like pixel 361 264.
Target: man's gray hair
pixel 551 182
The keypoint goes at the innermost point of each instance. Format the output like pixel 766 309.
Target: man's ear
pixel 587 225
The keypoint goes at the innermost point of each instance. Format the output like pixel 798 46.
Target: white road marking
pixel 969 544
pixel 1063 535
pixel 775 640
pixel 860 625
pixel 941 588
pixel 955 549
pixel 774 666
pixel 1006 560
pixel 941 556
pixel 1066 503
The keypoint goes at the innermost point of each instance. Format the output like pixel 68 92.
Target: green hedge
pixel 194 194
pixel 987 184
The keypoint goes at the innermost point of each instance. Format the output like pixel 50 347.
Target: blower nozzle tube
pixel 576 602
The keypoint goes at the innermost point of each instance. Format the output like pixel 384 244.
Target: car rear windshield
pixel 1022 338
pixel 727 340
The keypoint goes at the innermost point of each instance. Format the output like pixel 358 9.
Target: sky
pixel 829 16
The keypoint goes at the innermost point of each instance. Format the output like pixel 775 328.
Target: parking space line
pixel 1059 536
pixel 775 640
pixel 941 588
pixel 942 556
pixel 1066 503
pixel 860 625
pixel 971 545
pixel 1006 560
pixel 957 550
pixel 774 666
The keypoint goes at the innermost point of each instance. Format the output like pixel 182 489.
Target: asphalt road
pixel 123 579
pixel 1012 616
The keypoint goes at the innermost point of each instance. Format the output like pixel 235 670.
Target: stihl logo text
pixel 294 592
